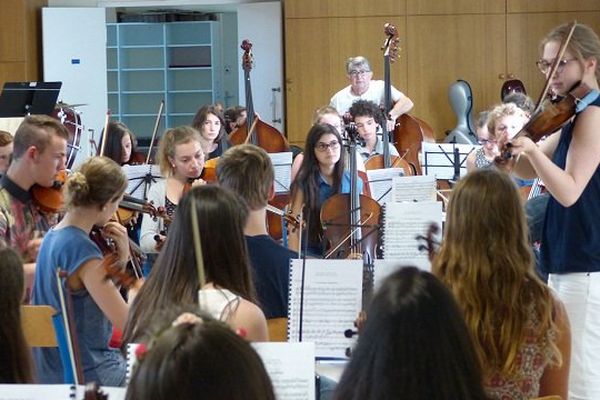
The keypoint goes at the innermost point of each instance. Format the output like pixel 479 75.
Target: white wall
pixel 74 52
pixel 261 23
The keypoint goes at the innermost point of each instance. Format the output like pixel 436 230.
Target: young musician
pixel 40 146
pixel 92 194
pixel 326 115
pixel 568 164
pixel 247 170
pixel 414 333
pixel 194 356
pixel 228 293
pixel 181 159
pixel 321 176
pixel 519 328
pixel 6 149
pixel 234 117
pixel 120 143
pixel 15 357
pixel 213 136
pixel 368 119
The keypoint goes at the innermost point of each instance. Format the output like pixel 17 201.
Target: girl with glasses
pixel 568 163
pixel 321 175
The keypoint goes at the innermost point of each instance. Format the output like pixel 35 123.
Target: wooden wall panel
pixel 343 8
pixel 520 6
pixel 434 7
pixel 524 33
pixel 315 62
pixel 12 34
pixel 470 47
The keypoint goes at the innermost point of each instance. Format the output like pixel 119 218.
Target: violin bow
pixel 197 243
pixel 105 134
pixel 559 56
pixel 156 124
pixel 66 308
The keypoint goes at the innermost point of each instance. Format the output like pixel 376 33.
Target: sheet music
pixel 438 158
pixel 413 188
pixel 380 183
pixel 131 360
pixel 139 178
pixel 332 300
pixel 384 268
pixel 291 367
pixel 403 222
pixel 282 163
pixel 36 392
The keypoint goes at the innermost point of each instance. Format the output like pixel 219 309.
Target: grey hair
pixel 359 61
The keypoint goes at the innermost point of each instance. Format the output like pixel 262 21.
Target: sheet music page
pixel 36 392
pixel 137 176
pixel 282 163
pixel 438 158
pixel 291 367
pixel 380 183
pixel 114 393
pixel 403 222
pixel 332 300
pixel 384 268
pixel 413 188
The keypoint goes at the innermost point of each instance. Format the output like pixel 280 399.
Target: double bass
pixel 385 160
pixel 261 134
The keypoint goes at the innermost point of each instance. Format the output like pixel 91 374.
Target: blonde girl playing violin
pixel 181 161
pixel 92 196
pixel 568 163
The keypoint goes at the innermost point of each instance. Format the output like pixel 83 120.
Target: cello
pixel 263 135
pixel 351 221
pixel 385 160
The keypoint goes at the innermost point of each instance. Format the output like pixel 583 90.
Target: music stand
pixel 446 160
pixel 19 99
pixel 140 177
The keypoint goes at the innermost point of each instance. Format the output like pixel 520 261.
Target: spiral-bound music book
pixel 403 223
pixel 332 301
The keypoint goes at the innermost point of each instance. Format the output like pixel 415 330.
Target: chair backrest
pixel 277 329
pixel 37 325
pixel 553 397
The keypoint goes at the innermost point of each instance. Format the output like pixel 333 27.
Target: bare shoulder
pixel 251 318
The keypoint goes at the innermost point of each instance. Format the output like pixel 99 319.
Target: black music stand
pixel 19 99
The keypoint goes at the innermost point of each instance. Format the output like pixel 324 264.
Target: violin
pixel 130 205
pixel 552 112
pixel 122 276
pixel 50 199
pixel 431 244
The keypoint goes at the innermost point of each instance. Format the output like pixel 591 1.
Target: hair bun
pixel 77 184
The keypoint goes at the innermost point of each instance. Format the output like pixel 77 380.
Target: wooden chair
pixel 277 329
pixel 36 322
pixel 553 397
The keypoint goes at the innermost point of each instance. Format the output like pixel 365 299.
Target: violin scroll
pixel 431 243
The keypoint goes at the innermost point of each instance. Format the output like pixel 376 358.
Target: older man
pixel 363 88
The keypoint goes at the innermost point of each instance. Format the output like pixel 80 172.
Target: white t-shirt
pixel 343 99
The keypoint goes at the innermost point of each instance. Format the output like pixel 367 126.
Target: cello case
pixel 461 101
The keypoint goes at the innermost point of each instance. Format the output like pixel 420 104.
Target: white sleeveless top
pixel 219 303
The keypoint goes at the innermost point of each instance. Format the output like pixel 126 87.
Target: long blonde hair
pixel 486 261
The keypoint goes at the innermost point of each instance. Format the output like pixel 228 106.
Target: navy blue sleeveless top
pixel 571 235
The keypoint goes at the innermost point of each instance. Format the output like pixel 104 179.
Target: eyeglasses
pixel 545 66
pixel 333 145
pixel 355 72
pixel 484 142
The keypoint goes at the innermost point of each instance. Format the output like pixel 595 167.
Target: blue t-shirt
pixel 571 235
pixel 69 248
pixel 271 274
